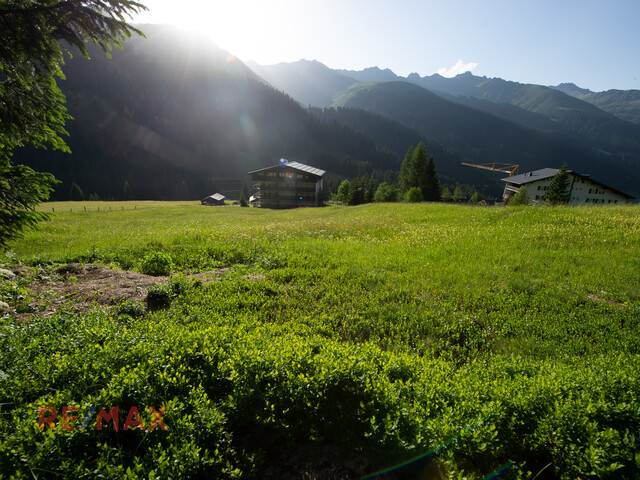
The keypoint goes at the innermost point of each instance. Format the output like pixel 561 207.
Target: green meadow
pixel 417 340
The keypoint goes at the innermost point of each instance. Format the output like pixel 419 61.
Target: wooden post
pixel 85 208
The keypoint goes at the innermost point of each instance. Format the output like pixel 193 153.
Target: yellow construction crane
pixel 511 169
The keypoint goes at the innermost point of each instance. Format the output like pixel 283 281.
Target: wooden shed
pixel 213 200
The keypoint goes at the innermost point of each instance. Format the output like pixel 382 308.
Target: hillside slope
pixel 174 117
pixel 480 137
pixel 308 82
pixel 571 116
pixel 392 135
pixel 489 119
pixel 624 104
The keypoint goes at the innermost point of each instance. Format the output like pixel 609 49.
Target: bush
pixel 156 264
pixel 344 191
pixel 132 309
pixel 385 193
pixel 159 297
pixel 520 198
pixel 414 195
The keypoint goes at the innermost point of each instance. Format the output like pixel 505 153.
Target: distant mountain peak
pixel 572 87
pixel 372 74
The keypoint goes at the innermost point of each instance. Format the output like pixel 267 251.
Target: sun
pixel 248 29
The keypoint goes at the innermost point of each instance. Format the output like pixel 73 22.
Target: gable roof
pixel 296 166
pixel 534 176
pixel 216 196
pixel 546 173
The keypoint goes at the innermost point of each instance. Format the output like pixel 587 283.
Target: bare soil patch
pixel 83 287
pixel 597 298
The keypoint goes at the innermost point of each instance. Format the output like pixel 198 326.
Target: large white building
pixel 583 189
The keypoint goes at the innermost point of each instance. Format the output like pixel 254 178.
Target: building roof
pixel 296 166
pixel 535 176
pixel 216 196
pixel 546 173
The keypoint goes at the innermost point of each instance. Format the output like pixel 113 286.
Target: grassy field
pixel 478 341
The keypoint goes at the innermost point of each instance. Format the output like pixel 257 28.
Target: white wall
pixel 583 192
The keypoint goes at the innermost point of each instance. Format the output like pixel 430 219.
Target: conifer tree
pixel 418 170
pixel 446 194
pixel 457 194
pixel 431 189
pixel 75 192
pixel 406 179
pixel 372 186
pixel 420 164
pixel 558 191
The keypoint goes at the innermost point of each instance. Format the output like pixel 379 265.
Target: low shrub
pixel 414 195
pixel 156 264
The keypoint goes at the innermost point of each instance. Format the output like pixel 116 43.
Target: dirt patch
pixel 81 287
pixel 211 275
pixel 597 298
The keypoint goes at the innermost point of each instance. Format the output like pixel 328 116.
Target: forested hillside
pixel 478 136
pixel 174 117
pixel 392 135
pixel 480 119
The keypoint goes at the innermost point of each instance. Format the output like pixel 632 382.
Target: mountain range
pixel 487 119
pixel 174 117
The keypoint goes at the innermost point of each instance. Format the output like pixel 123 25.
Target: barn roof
pixel 296 166
pixel 217 197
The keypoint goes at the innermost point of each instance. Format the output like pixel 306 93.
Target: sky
pixel 592 43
